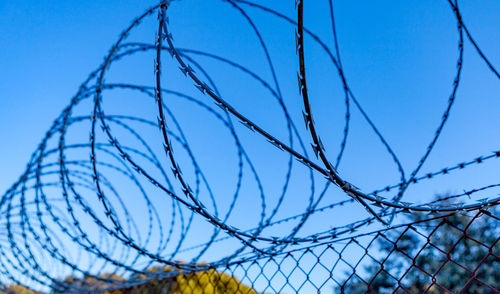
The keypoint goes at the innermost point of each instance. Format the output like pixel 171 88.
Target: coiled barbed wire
pixel 91 227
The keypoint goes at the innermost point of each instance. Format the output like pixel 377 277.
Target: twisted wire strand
pixel 63 198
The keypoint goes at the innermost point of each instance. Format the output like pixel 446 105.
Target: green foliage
pixel 17 289
pixel 88 282
pixel 449 254
pixel 208 281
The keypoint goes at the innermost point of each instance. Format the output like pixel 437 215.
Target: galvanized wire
pixel 70 227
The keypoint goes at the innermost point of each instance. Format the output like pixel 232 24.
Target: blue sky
pixel 399 58
pixel 400 68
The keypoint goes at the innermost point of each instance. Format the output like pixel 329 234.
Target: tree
pixel 87 282
pixel 207 281
pixel 17 289
pixel 454 256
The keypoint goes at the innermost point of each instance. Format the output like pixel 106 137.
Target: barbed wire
pixel 99 215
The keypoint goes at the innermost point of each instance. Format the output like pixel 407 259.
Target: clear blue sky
pixel 399 58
